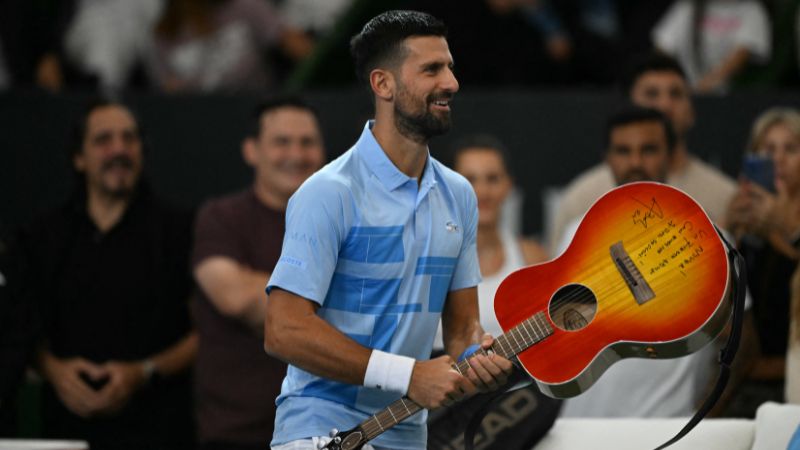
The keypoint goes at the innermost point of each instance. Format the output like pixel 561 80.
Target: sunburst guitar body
pixel 645 275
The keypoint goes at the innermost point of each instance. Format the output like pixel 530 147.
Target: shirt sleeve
pixel 214 235
pixel 754 34
pixel 315 229
pixel 467 272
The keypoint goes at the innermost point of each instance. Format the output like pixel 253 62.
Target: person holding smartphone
pixel 764 215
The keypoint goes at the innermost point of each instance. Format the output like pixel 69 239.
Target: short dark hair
pixel 651 62
pixel 81 125
pixel 271 104
pixel 380 41
pixel 484 141
pixel 634 114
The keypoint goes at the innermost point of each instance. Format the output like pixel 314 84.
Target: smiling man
pixel 237 243
pixel 109 271
pixel 379 245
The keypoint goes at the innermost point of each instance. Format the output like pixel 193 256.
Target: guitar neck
pixel 508 345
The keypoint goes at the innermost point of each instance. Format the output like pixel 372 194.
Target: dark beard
pixel 423 126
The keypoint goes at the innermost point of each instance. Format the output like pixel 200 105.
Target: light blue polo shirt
pixel 379 253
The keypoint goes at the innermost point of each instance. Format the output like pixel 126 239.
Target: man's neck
pixel 406 154
pixel 268 197
pixel 105 210
pixel 680 158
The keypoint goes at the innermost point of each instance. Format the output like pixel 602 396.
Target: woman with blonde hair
pixel 765 217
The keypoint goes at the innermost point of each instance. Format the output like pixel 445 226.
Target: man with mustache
pixel 640 147
pixel 237 243
pixel 109 271
pixel 379 245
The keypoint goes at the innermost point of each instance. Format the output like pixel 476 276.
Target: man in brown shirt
pixel 238 241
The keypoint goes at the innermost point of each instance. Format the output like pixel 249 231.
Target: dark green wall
pixel 194 141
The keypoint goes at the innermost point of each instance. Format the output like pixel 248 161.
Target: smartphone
pixel 759 170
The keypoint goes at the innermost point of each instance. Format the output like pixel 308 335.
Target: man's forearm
pixel 176 358
pixel 294 333
pixel 235 290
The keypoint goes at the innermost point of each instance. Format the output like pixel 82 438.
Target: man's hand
pixel 74 392
pixel 124 379
pixel 490 372
pixel 435 383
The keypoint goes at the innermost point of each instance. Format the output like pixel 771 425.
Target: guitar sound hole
pixel 573 307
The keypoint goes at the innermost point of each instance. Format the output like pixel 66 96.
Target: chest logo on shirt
pixel 451 227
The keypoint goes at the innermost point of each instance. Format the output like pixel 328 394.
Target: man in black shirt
pixel 111 276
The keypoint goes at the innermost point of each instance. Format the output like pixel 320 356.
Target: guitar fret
pixel 501 341
pixel 515 340
pixel 531 329
pixel 529 333
pixel 403 401
pixel 538 326
pixel 392 414
pixel 379 423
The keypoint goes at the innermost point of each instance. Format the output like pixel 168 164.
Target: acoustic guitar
pixel 646 275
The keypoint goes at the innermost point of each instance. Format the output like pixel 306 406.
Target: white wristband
pixel 389 372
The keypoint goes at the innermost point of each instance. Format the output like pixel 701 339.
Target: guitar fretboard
pixel 508 345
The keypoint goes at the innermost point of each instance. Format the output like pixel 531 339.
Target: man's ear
pixel 383 84
pixel 249 151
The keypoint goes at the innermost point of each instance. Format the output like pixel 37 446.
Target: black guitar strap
pixel 738 290
pixel 726 355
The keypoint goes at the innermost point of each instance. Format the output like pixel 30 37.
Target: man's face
pixel 287 150
pixel 667 92
pixel 425 86
pixel 111 158
pixel 638 151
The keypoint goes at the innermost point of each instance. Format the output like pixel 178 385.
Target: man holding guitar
pixel 379 245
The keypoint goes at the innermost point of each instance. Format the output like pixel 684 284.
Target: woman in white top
pixel 482 160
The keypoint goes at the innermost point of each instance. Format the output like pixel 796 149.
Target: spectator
pixel 483 161
pixel 656 81
pixel 714 39
pixel 767 225
pixel 219 45
pixel 640 143
pixel 107 39
pixel 111 276
pixel 238 242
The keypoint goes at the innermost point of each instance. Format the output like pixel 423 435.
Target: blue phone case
pixel 759 170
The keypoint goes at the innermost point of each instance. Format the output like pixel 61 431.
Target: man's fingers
pixel 483 376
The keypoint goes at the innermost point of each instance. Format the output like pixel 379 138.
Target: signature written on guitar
pixel 650 211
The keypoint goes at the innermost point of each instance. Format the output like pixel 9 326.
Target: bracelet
pixel 469 351
pixel 389 372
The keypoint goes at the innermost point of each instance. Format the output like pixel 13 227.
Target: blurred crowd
pixel 266 45
pixel 145 321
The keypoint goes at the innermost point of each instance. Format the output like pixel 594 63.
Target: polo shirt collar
pixel 378 163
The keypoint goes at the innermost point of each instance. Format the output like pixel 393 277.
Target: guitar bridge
pixel 630 273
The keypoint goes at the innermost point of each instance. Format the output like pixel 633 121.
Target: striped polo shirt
pixel 378 251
